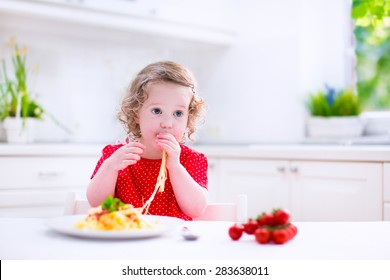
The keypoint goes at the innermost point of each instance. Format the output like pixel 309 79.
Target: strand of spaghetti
pixel 162 175
pixel 160 184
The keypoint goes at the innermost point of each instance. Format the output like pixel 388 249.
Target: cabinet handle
pixel 281 169
pixel 294 169
pixel 47 174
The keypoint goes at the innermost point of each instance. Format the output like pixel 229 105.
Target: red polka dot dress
pixel 136 183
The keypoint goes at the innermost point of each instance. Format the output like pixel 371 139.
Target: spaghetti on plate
pixel 126 217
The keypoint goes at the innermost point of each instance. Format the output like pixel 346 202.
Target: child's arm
pixel 191 197
pixel 104 181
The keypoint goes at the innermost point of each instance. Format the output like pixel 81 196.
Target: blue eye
pixel 178 113
pixel 156 111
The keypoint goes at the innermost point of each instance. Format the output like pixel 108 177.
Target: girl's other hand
pixel 169 144
pixel 126 155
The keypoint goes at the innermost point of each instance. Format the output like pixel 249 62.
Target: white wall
pixel 253 93
pixel 325 43
pixel 255 88
pixel 285 50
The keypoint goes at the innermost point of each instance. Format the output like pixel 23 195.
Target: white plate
pixel 66 225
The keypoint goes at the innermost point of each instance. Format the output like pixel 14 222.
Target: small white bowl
pixel 377 123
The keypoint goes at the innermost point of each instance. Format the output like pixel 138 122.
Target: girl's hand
pixel 169 144
pixel 126 155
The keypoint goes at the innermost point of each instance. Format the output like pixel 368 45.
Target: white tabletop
pixel 30 238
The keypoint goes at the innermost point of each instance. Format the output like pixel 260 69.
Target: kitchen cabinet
pixel 36 186
pixel 386 191
pixel 173 19
pixel 312 190
pixel 336 191
pixel 264 182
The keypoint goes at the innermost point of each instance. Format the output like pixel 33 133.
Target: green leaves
pixel 372 33
pixel 16 89
pixel 318 105
pixel 343 103
pixel 112 204
pixel 346 104
pixel 371 10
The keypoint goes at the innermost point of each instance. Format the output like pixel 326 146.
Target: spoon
pixel 188 235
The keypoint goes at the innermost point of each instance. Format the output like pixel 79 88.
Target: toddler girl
pixel 159 112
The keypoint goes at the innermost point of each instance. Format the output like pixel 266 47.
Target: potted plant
pixel 334 114
pixel 18 109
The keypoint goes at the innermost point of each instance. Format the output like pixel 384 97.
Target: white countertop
pixel 367 153
pixel 29 238
pixel 300 152
pixel 52 149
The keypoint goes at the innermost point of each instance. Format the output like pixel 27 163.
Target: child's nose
pixel 166 123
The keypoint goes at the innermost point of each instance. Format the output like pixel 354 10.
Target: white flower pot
pixel 19 131
pixel 335 127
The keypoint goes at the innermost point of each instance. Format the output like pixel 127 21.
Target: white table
pixel 30 238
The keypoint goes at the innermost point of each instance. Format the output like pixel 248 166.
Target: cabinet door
pixel 264 181
pixel 386 192
pixel 336 191
pixel 206 22
pixel 386 182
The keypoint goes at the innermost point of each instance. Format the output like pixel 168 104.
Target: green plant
pixel 15 96
pixel 331 103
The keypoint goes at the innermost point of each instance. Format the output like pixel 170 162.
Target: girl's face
pixel 164 111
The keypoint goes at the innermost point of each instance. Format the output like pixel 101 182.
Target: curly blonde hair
pixel 136 95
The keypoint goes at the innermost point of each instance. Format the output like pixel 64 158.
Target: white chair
pixel 77 203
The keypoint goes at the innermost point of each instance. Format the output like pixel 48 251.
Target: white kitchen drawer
pixel 45 172
pixel 32 212
pixel 34 203
pixel 386 212
pixel 35 197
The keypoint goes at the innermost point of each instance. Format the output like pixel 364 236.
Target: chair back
pixel 76 203
pixel 236 211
